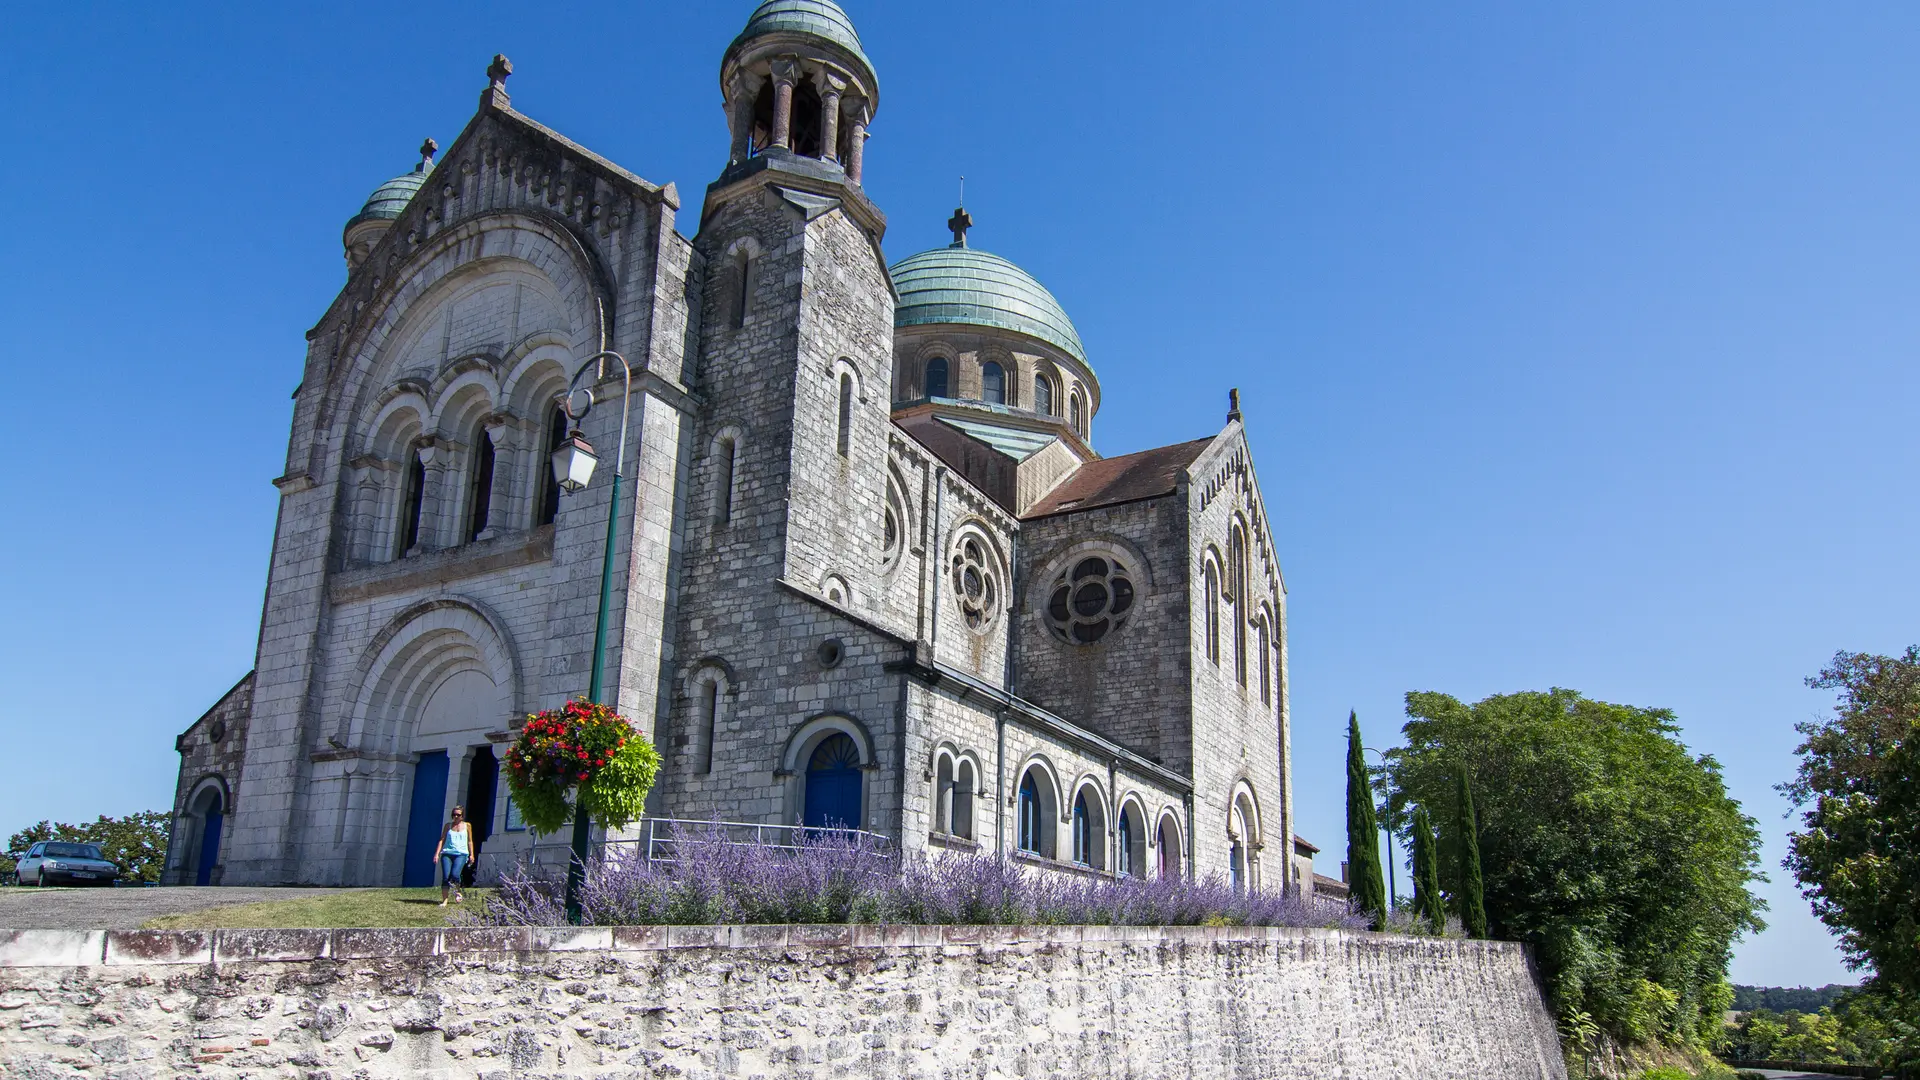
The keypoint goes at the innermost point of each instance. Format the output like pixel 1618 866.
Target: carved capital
pixel 786 71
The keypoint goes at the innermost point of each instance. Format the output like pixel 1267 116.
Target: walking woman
pixel 455 848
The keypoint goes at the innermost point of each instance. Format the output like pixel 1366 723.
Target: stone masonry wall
pixel 772 1002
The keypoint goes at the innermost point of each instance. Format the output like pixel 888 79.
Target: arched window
pixel 936 380
pixel 481 496
pixel 1031 824
pixel 1126 843
pixel 412 496
pixel 963 785
pixel 1074 417
pixel 1237 592
pixel 993 383
pixel 1169 844
pixel 1132 841
pixel 846 412
pixel 741 286
pixel 1236 864
pixel 726 454
pixel 549 506
pixel 1082 831
pixel 1211 582
pixel 943 796
pixel 1265 641
pixel 707 717
pixel 1043 395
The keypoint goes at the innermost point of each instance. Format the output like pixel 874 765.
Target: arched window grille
pixel 1029 819
pixel 1074 417
pixel 943 796
pixel 846 413
pixel 1125 865
pixel 1043 395
pixel 549 506
pixel 936 380
pixel 481 495
pixel 412 497
pixel 993 383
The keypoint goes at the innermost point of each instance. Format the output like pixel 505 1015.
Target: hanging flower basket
pixel 581 750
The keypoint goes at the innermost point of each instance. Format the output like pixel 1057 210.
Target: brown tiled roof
pixel 1121 479
pixel 1301 843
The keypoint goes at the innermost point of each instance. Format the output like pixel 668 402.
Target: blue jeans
pixel 451 865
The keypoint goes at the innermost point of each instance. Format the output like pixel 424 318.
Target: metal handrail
pixel 660 837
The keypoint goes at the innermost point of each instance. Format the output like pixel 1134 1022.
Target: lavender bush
pixel 836 879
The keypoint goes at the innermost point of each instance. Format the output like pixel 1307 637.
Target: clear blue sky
pixel 1576 341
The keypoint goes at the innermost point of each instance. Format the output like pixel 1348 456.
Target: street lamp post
pixel 1386 826
pixel 573 465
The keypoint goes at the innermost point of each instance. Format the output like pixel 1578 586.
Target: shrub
pixel 846 878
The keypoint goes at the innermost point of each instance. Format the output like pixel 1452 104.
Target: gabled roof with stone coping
pixel 245 681
pixel 1128 478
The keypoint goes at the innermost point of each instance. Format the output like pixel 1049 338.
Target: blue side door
pixel 209 848
pixel 833 786
pixel 424 819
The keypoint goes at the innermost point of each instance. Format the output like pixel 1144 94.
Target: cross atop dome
pixel 960 223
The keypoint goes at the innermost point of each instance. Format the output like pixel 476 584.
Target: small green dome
pixel 970 287
pixel 822 19
pixel 390 198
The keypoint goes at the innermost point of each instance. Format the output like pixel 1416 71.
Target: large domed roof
pixel 390 198
pixel 817 18
pixel 970 287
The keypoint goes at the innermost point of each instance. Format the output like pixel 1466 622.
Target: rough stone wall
pixel 1133 685
pixel 773 1002
pixel 207 761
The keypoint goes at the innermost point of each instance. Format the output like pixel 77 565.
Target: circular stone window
pixel 1089 599
pixel 218 732
pixel 975 585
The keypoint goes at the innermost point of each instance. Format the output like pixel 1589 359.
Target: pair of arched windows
pixel 938 383
pixel 480 485
pixel 954 784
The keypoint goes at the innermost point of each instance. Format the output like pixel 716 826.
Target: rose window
pixel 975 586
pixel 1089 600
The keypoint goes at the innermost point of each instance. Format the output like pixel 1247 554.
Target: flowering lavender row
pixel 830 879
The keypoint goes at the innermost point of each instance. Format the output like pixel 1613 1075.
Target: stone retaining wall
pixel 769 1001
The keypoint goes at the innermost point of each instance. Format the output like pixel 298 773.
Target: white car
pixel 57 862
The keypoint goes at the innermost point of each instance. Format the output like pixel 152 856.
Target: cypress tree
pixel 1426 871
pixel 1473 901
pixel 1367 886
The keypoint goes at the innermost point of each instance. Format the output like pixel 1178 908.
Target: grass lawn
pixel 352 909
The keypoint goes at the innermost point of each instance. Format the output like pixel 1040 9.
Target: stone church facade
pixel 869 570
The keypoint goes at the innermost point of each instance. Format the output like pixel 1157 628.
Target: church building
pixel 868 570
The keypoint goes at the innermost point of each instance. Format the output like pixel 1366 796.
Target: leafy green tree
pixel 1604 844
pixel 1426 871
pixel 1471 890
pixel 137 842
pixel 1366 883
pixel 1857 855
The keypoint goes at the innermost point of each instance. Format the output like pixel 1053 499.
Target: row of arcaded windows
pixel 1237 590
pixel 479 490
pixel 937 382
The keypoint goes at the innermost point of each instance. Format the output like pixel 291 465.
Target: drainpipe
pixel 1000 783
pixel 940 558
pixel 1192 866
pixel 1113 817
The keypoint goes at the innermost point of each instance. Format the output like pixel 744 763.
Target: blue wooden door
pixel 424 819
pixel 833 785
pixel 209 847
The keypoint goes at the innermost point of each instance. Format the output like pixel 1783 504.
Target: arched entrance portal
pixel 211 809
pixel 833 785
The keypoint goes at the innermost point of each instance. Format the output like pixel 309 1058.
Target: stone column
pixel 497 495
pixel 742 100
pixel 832 85
pixel 786 72
pixel 434 457
pixel 857 139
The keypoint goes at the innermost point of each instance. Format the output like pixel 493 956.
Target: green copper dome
pixel 390 198
pixel 817 18
pixel 969 287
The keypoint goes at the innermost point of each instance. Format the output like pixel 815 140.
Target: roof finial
pixel 1233 405
pixel 427 150
pixel 497 72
